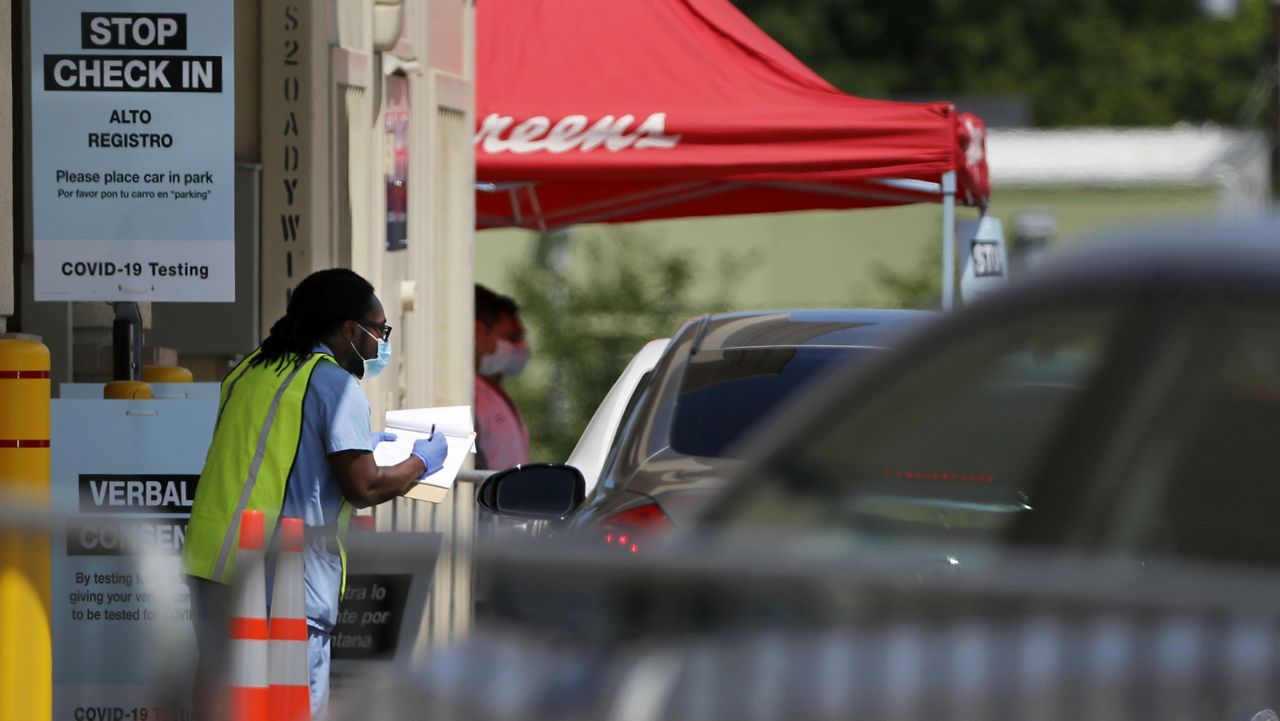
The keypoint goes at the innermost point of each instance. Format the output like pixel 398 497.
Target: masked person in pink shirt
pixel 501 351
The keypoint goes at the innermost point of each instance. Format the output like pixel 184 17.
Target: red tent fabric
pixel 622 110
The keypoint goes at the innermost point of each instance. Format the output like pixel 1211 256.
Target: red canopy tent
pixel 623 110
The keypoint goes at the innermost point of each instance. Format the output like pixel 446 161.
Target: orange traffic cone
pixel 288 667
pixel 247 689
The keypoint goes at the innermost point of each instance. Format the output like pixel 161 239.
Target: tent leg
pixel 948 240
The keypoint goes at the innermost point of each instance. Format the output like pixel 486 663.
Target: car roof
pixel 1192 255
pixel 841 327
pixel 1209 257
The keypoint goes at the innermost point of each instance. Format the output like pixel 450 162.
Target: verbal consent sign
pixel 132 139
pixel 123 478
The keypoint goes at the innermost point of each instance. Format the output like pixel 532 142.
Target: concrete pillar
pixel 298 233
pixel 325 154
pixel 50 320
pixel 7 277
pixel 433 277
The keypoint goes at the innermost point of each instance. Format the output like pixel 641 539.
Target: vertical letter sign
pixel 132 143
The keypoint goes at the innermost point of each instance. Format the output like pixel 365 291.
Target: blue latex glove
pixel 432 451
pixel 380 436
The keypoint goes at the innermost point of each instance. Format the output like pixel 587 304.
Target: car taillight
pixel 633 528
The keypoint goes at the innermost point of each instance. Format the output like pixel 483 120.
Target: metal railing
pixel 450 612
pixel 755 630
pixel 710 636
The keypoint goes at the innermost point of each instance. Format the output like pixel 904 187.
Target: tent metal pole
pixel 538 217
pixel 915 186
pixel 515 205
pixel 887 194
pixel 948 240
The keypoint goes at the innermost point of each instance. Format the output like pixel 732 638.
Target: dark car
pixel 1121 403
pixel 1126 403
pixel 1078 474
pixel 680 436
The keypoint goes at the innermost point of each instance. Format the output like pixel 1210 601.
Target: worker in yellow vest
pixel 293 438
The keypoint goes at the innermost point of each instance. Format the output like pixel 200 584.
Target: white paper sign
pixel 132 149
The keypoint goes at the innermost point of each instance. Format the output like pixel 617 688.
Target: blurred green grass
pixel 831 258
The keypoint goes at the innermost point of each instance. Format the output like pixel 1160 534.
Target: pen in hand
pixel 431 454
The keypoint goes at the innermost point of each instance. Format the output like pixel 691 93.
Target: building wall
pixel 429 283
pixel 326 155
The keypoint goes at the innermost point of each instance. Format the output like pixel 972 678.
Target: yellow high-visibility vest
pixel 254 443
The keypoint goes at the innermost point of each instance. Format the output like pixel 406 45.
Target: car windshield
pixel 724 392
pixel 949 451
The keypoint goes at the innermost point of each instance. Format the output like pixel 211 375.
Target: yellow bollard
pixel 166 374
pixel 126 390
pixel 26 661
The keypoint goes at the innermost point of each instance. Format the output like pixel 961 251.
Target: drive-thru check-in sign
pixel 132 149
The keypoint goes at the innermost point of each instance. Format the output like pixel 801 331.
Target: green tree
pixel 590 303
pixel 1081 62
pixel 919 288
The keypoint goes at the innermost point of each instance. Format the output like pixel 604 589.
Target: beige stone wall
pixel 325 154
pixel 429 285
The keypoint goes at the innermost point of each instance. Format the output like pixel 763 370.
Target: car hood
pixel 682 484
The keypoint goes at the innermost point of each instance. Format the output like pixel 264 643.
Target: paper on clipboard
pixel 413 423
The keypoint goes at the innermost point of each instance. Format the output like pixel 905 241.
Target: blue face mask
pixel 374 366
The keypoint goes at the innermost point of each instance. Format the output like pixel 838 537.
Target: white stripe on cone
pixel 284 670
pixel 248 663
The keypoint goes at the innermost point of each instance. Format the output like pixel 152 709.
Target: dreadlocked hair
pixel 321 302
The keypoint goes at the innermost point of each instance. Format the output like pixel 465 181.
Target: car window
pixel 1206 485
pixel 949 448
pixel 725 392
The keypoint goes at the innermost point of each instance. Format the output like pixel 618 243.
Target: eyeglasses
pixel 382 329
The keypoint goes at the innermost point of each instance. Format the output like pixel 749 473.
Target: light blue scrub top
pixel 335 417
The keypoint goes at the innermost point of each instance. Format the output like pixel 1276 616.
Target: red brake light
pixel 630 529
pixel 940 476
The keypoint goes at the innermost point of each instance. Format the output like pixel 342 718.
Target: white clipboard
pixel 409 425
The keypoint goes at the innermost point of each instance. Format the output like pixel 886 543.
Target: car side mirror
pixel 536 490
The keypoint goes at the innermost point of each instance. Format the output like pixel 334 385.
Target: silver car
pixel 681 433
